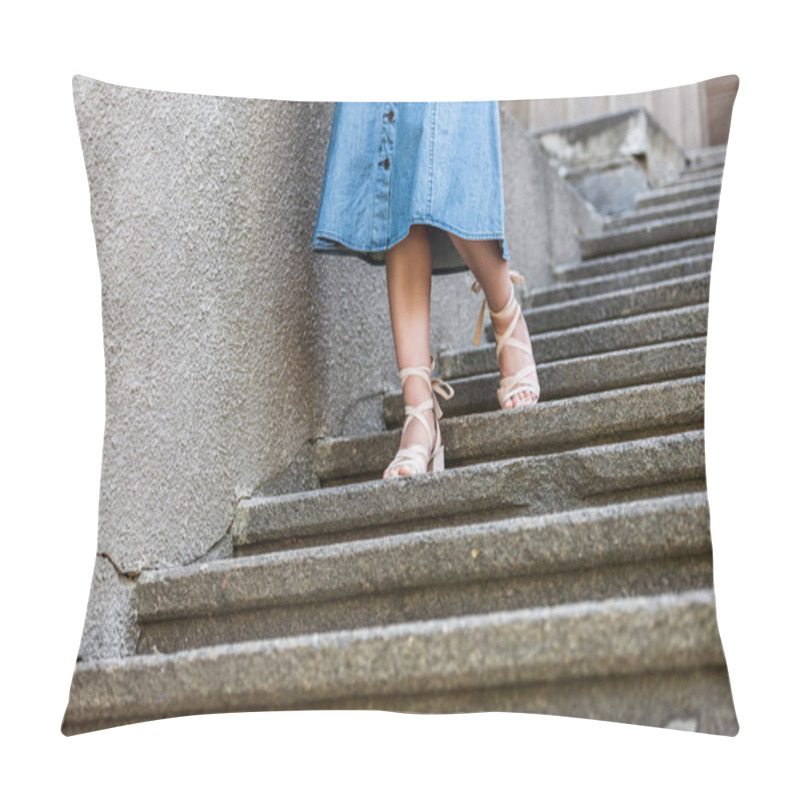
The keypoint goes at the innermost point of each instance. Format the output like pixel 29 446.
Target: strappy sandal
pixel 526 380
pixel 423 459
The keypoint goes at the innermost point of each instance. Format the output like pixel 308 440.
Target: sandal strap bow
pixel 437 385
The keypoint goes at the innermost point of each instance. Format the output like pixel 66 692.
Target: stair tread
pixel 593 338
pixel 700 278
pixel 699 185
pixel 646 234
pixel 663 211
pixel 570 540
pixel 635 259
pixel 549 426
pixel 652 225
pixel 526 484
pixel 578 375
pixel 619 636
pixel 638 276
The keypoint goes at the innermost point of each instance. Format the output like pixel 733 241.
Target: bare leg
pixel 408 279
pixel 491 270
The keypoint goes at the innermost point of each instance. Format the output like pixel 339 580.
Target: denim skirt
pixel 392 165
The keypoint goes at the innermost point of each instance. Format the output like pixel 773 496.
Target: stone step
pixel 547 427
pixel 638 330
pixel 623 262
pixel 697 174
pixel 663 211
pixel 638 548
pixel 573 376
pixel 673 293
pixel 683 191
pixel 617 281
pixel 649 234
pixel 475 493
pixel 688 700
pixel 542 647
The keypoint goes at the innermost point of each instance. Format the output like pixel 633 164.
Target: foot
pixel 515 358
pixel 414 433
pixel 420 437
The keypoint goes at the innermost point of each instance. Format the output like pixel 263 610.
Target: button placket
pixel 383 178
pixel 388 137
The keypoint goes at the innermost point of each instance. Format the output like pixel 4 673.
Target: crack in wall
pixel 131 575
pixel 220 548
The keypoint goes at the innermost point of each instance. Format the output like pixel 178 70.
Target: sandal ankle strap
pixel 435 385
pixel 516 277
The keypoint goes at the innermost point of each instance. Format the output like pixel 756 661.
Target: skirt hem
pixel 336 244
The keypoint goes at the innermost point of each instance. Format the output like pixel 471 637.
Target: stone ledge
pixel 547 427
pixel 636 259
pixel 691 226
pixel 683 291
pixel 616 637
pixel 474 493
pixel 664 211
pixel 571 377
pixel 617 281
pixel 668 527
pixel 681 191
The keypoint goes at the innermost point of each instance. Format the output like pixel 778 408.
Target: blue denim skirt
pixel 393 165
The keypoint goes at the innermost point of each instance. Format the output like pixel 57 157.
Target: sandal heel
pixel 438 460
pixel 526 379
pixel 417 457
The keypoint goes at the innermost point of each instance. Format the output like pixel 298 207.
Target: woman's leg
pixel 408 279
pixel 491 271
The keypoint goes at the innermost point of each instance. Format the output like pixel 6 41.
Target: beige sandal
pixel 418 457
pixel 526 380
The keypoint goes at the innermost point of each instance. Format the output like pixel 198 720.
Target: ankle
pixel 416 391
pixel 502 315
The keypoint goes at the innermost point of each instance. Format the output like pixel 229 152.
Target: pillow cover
pixel 250 557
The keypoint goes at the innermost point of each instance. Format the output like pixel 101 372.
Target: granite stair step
pixel 649 234
pixel 547 427
pixel 664 211
pixel 420 664
pixel 707 173
pixel 633 366
pixel 569 377
pixel 683 291
pixel 584 340
pixel 617 263
pixel 683 191
pixel 529 485
pixel 622 550
pixel 616 281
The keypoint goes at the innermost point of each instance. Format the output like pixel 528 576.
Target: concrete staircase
pixel 561 564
